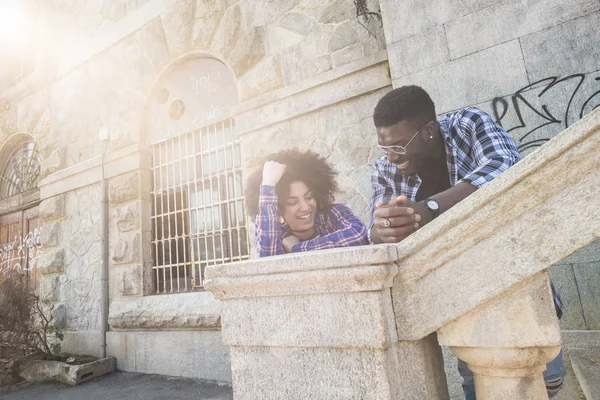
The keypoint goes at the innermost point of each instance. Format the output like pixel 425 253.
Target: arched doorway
pixel 20 235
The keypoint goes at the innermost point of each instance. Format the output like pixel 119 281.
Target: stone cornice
pixel 356 269
pixel 535 214
pixel 86 173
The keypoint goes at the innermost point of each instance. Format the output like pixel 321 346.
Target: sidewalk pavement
pixel 123 386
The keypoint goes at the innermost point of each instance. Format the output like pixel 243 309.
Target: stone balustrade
pixel 367 322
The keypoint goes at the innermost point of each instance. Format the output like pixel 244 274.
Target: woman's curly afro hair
pixel 307 167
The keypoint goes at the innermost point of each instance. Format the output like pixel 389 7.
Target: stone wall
pixel 533 66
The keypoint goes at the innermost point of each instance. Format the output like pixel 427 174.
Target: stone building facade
pixel 171 102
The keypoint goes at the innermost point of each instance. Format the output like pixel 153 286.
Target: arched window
pixel 197 197
pixel 22 170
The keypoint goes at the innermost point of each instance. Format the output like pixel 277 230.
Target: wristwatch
pixel 433 206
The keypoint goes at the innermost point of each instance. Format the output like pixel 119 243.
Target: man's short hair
pixel 406 103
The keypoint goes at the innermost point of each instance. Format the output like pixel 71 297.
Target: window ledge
pixel 181 311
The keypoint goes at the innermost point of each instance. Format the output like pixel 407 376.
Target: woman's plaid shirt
pixel 337 227
pixel 477 151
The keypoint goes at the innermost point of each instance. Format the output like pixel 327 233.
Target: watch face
pixel 433 205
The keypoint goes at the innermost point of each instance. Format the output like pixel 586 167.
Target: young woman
pixel 291 201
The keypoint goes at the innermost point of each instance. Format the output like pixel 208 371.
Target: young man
pixel 430 165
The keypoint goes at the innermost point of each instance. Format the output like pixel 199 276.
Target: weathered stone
pixel 279 39
pixel 128 217
pixel 296 67
pixel 126 281
pixel 32 110
pixel 59 314
pixel 487 27
pixel 113 10
pixel 53 163
pixel 228 32
pixel 144 352
pixel 51 262
pixel 344 35
pixel 153 45
pixel 49 288
pixel 208 16
pixel 52 208
pixel 481 77
pixel 50 235
pixel 587 254
pixel 124 188
pixel 347 55
pixel 248 51
pixel 418 16
pixel 43 370
pixel 263 78
pixel 316 43
pixel 569 48
pixel 587 277
pixel 564 280
pixel 297 22
pixel 178 24
pixel 407 56
pixel 586 365
pixel 336 12
pixel 127 250
pixel 197 310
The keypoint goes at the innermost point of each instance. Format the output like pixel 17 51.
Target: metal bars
pixel 197 205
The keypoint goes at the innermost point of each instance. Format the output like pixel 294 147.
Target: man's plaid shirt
pixel 477 151
pixel 337 227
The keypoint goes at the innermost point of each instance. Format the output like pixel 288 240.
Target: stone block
pixel 53 162
pixel 586 365
pixel 126 281
pixel 248 51
pixel 407 56
pixel 208 16
pixel 49 288
pixel 297 22
pixel 347 55
pixel 336 12
pixel 296 67
pixel 51 262
pixel 477 78
pixel 228 32
pixel 124 188
pixel 178 25
pixel 50 235
pixel 52 208
pixel 192 354
pixel 510 20
pixel 564 280
pixel 587 276
pixel 344 35
pixel 263 78
pixel 565 49
pixel 153 45
pixel 587 254
pixel 82 342
pixel 128 216
pixel 196 310
pixel 402 19
pixel 127 249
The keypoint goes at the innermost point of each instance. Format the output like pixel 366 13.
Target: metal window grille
pixel 197 206
pixel 21 171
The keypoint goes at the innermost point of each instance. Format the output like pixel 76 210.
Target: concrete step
pixel 586 365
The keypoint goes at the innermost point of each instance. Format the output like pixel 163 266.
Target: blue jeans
pixel 553 376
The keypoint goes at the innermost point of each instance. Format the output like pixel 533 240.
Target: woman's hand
pixel 272 173
pixel 289 242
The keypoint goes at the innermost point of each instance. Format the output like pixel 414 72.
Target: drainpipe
pixel 104 254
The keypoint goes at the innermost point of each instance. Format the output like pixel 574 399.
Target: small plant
pixel 26 330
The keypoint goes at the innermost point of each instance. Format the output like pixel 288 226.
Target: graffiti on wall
pixel 21 254
pixel 537 112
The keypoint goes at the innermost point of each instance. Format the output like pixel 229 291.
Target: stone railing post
pixel 321 325
pixel 508 342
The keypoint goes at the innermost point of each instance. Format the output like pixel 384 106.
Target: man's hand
pixel 272 173
pixel 289 242
pixel 398 218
